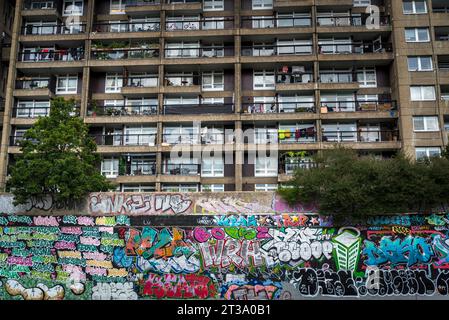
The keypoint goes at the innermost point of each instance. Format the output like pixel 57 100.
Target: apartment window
pixel 361 3
pixel 117 6
pixel 213 81
pixel 420 63
pixel 179 188
pixel 295 103
pixel 265 187
pixel 41 27
pixel 422 93
pixel 183 23
pixel 138 188
pixel 212 167
pixel 67 84
pixel 32 109
pixel 114 82
pixel 213 23
pixel 109 167
pixel 213 5
pixel 427 152
pixel 293 19
pixel 140 135
pixel 73 8
pixel 263 80
pixel 414 7
pixel 417 35
pixel 182 49
pixel 266 167
pixel 294 47
pixel 338 102
pixel 425 123
pixel 366 77
pixel 212 187
pixel 265 135
pixel 340 132
pixel 262 4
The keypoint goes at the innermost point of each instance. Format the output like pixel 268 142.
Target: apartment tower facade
pixel 299 76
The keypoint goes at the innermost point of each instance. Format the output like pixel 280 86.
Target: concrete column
pixel 9 101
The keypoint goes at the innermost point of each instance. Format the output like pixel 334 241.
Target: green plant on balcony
pixel 121 166
pixel 294 157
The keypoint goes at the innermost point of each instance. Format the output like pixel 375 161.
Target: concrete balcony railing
pixel 361 135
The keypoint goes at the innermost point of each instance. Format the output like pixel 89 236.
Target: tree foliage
pixel 343 183
pixel 58 159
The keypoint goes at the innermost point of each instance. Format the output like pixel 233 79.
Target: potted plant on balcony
pixel 94 108
pixel 121 166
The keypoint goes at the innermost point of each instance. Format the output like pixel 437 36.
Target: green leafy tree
pixel 345 184
pixel 58 160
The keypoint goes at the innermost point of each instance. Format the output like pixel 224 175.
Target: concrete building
pixel 298 75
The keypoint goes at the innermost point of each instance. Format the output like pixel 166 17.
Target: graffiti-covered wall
pixel 220 256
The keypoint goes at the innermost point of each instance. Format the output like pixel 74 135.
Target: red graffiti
pixel 179 286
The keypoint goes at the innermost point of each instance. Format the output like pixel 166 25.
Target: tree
pixel 343 183
pixel 58 160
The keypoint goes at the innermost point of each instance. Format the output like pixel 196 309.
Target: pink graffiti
pixel 65 245
pixel 281 206
pixel 20 261
pixel 86 221
pixel 106 229
pixel 46 221
pixel 249 292
pixel 96 271
pixel 71 230
pixel 90 241
pixel 95 256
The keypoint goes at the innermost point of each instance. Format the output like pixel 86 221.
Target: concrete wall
pixel 189 246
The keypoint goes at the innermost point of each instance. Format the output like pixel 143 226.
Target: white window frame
pixel 146 135
pixel 362 75
pixel 213 85
pixel 179 188
pixel 428 123
pixel 419 63
pixel 212 187
pixel 261 4
pixel 72 3
pixel 427 150
pixel 32 108
pixel 117 83
pixel 265 187
pixel 213 5
pixel 110 167
pixel 137 188
pixel 413 2
pixel 264 75
pixel 67 89
pixel 416 35
pixel 416 95
pixel 215 167
pixel 266 166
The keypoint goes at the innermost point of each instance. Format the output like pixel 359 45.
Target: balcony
pixel 213 137
pixel 202 108
pixel 198 52
pixel 35 87
pixel 278 107
pixel 140 85
pixel 277 50
pixel 255 22
pixel 361 135
pixel 349 21
pixel 37 30
pixel 41 8
pixel 204 24
pixel 338 80
pixel 293 81
pixel 289 166
pixel 139 7
pixel 125 139
pixel 357 47
pixel 358 106
pixel 185 83
pixel 51 55
pixel 124 27
pixel 306 134
pixel 125 53
pixel 121 111
pixel 190 169
pixel 140 168
pixel 30 112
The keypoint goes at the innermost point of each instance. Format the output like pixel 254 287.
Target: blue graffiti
pixel 121 259
pixel 411 250
pixel 441 247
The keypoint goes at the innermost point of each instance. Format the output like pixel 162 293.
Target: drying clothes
pixel 287 134
pixel 281 134
pixel 310 132
pixel 297 134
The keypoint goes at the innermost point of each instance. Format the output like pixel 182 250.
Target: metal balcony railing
pixel 125 139
pixel 199 52
pixel 190 169
pixel 352 106
pixel 350 20
pixel 51 55
pixel 361 135
pixel 277 50
pixel 15 140
pixel 255 22
pixel 124 53
pixel 182 80
pixel 354 47
pixel 337 77
pixel 53 30
pixel 297 77
pixel 135 110
pixel 39 5
pixel 147 81
pixel 181 138
pixel 290 166
pixel 141 168
pixel 218 23
pixel 127 27
pixel 278 107
pixel 138 3
pixel 204 108
pixel 294 135
pixel 29 112
pixel 30 83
